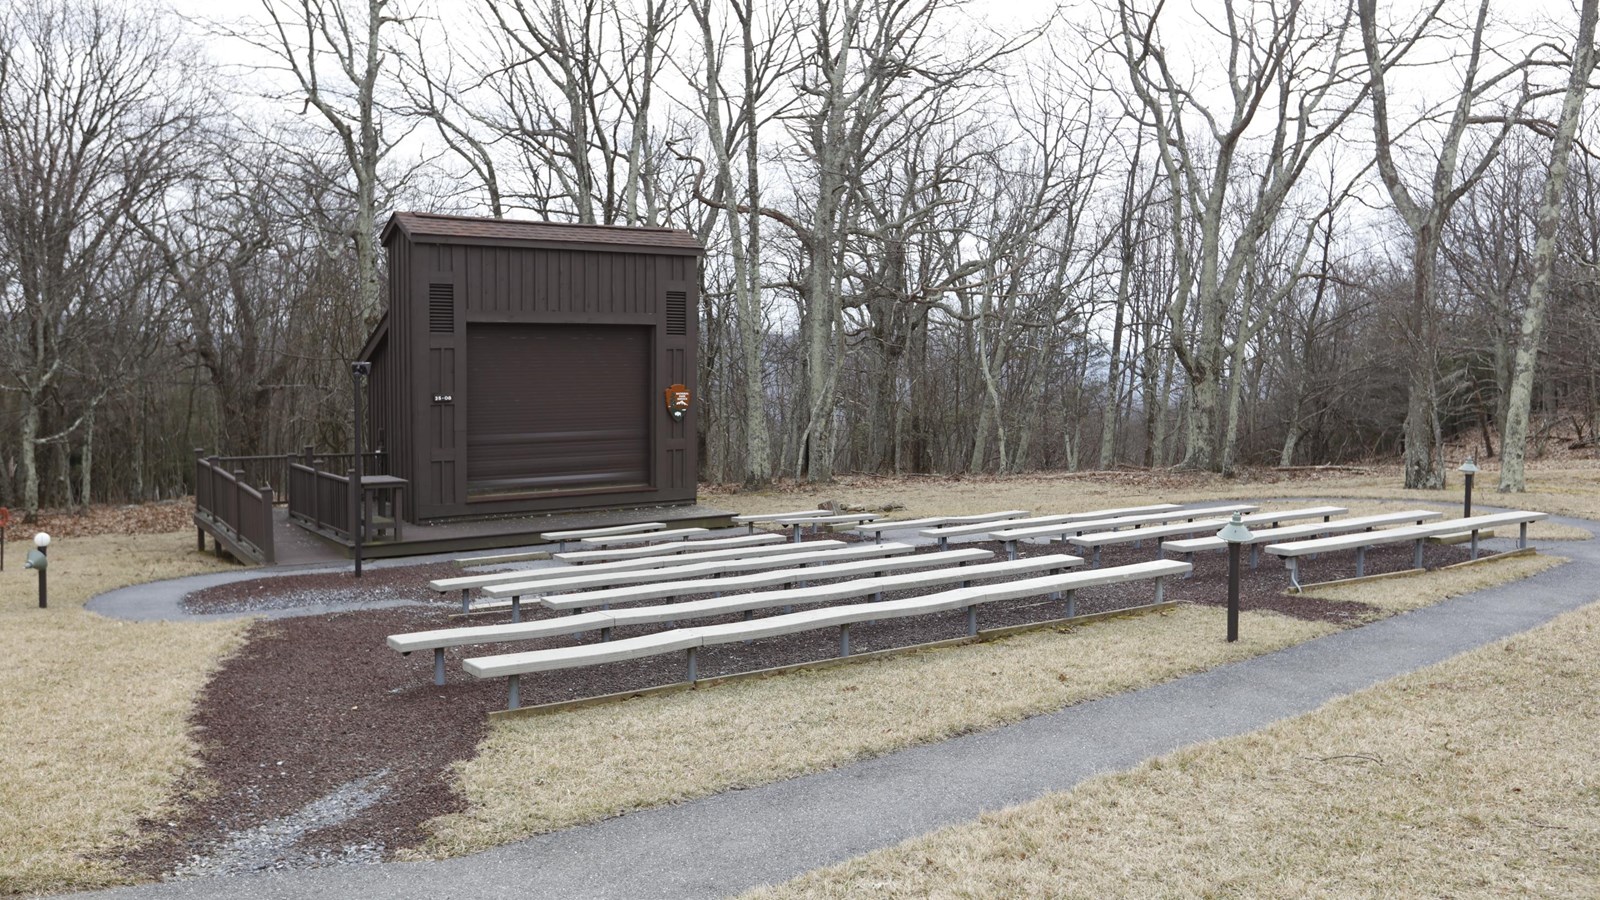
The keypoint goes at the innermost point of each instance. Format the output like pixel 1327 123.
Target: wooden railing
pixel 321 500
pixel 273 469
pixel 234 512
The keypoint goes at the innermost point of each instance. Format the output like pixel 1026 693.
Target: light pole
pixel 1468 469
pixel 358 526
pixel 1235 533
pixel 39 561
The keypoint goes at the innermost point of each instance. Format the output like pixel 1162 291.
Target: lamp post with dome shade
pixel 39 561
pixel 1468 469
pixel 1235 533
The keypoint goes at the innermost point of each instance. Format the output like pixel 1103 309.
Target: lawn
pixel 1474 777
pixel 94 722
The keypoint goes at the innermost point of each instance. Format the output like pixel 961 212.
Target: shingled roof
pixel 434 228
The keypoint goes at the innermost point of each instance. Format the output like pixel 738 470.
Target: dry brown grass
pixel 93 711
pixel 1475 777
pixel 1402 593
pixel 538 774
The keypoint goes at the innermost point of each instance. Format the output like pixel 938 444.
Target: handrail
pixel 232 509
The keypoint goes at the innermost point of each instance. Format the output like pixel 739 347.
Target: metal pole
pixel 1233 592
pixel 44 593
pixel 358 527
pixel 1466 509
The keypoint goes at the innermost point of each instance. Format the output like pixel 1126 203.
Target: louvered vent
pixel 442 308
pixel 677 312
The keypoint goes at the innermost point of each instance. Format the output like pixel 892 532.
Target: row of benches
pixel 690 640
pixel 652 577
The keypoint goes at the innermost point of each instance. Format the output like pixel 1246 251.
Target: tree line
pixel 1260 233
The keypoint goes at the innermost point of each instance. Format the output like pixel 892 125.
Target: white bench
pixel 578 557
pixel 750 521
pixel 876 529
pixel 1291 551
pixel 675 534
pixel 769 553
pixel 797 522
pixel 580 600
pixel 1191 546
pixel 582 580
pixel 562 537
pixel 438 640
pixel 512 665
pixel 946 532
pixel 1097 539
pixel 1012 534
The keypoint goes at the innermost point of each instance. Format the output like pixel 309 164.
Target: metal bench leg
pixel 1255 556
pixel 796 538
pixel 605 634
pixel 1361 562
pixel 514 701
pixel 844 640
pixel 516 609
pixel 693 664
pixel 466 604
pixel 1011 549
pixel 1522 536
pixel 1327 518
pixel 878 597
pixel 438 665
pixel 748 615
pixel 1095 563
pixel 1161 589
pixel 1072 604
pixel 1474 544
pixel 1289 563
pixel 1416 555
pixel 972 620
pixel 1189 557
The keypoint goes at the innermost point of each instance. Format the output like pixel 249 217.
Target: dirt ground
pixel 316 705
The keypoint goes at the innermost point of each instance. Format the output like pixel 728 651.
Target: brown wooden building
pixel 523 366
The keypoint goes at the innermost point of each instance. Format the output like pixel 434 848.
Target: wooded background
pixel 1246 232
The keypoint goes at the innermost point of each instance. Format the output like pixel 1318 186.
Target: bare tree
pixel 1515 440
pixel 334 50
pixel 1290 80
pixel 1424 214
pixel 96 113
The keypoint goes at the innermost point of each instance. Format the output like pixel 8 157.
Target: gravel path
pixel 724 844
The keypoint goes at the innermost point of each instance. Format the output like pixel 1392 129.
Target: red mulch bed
pixel 314 702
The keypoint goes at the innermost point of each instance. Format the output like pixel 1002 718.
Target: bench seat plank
pixel 467 582
pixel 1395 535
pixel 582 533
pixel 579 557
pixel 656 591
pixel 1107 538
pixel 674 534
pixel 773 517
pixel 879 527
pixel 948 531
pixel 1085 526
pixel 1291 532
pixel 581 579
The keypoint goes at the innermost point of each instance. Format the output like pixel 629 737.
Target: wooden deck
pixel 298 546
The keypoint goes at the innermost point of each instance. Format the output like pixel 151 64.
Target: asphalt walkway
pixel 727 843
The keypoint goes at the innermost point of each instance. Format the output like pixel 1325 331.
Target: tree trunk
pixel 28 457
pixel 1514 443
pixel 87 463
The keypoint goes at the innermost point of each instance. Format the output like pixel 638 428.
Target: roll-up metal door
pixel 556 407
